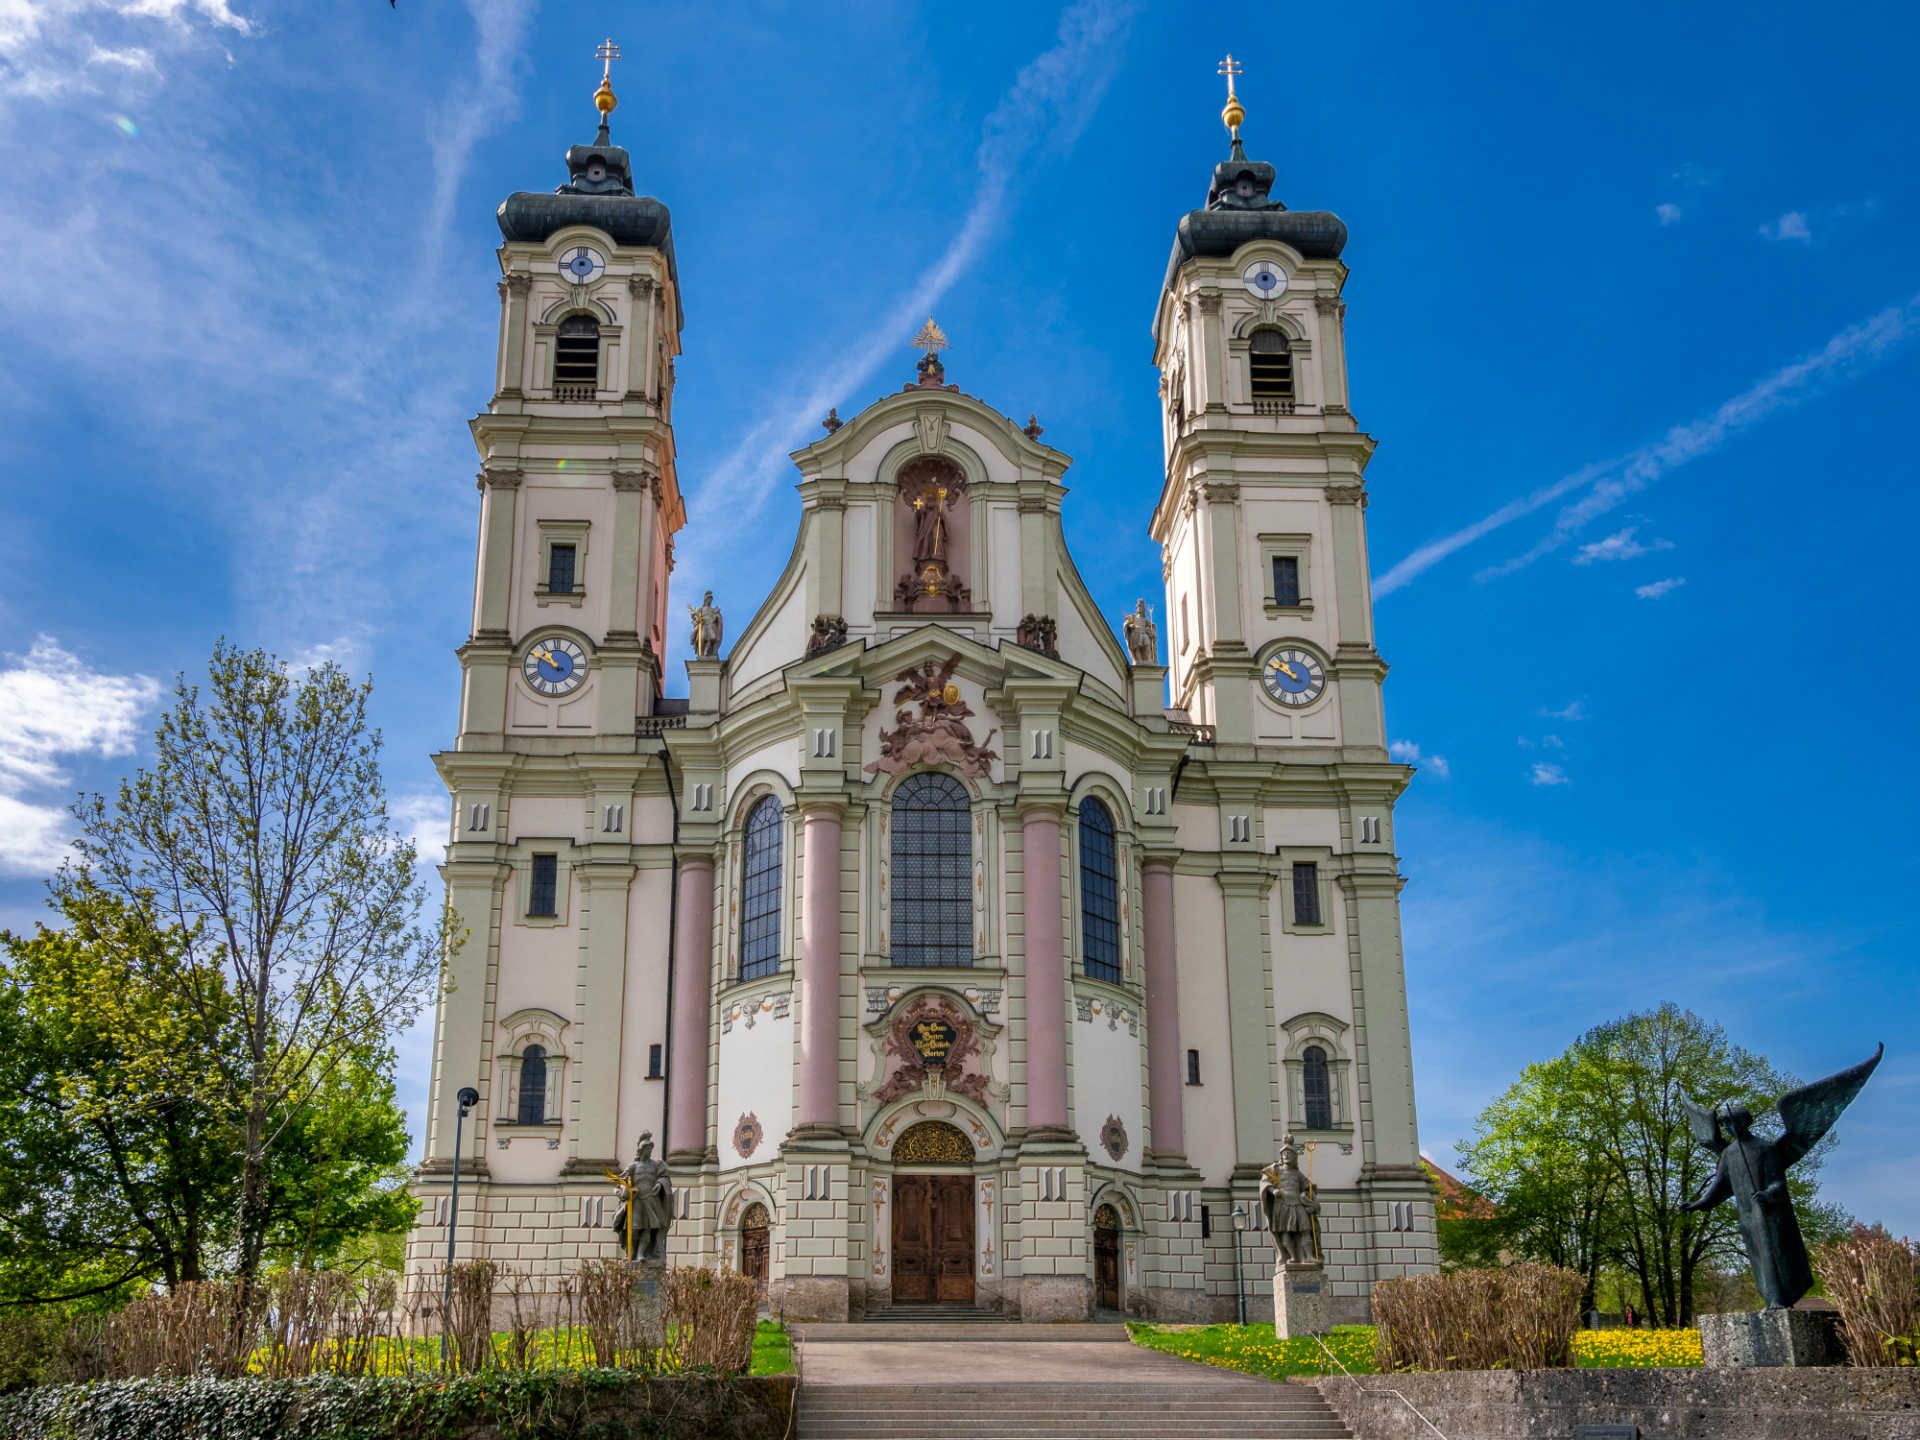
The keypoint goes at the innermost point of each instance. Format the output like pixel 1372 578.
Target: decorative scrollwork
pixel 933 1142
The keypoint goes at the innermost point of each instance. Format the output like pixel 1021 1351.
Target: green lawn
pixel 1253 1348
pixel 772 1349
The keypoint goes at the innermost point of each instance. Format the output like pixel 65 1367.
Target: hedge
pixel 526 1405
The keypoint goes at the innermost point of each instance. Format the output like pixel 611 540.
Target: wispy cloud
pixel 1667 213
pixel 49 47
pixel 1659 588
pixel 1409 753
pixel 1548 775
pixel 58 709
pixel 1791 226
pixel 1852 352
pixel 1572 710
pixel 425 819
pixel 1052 99
pixel 1621 545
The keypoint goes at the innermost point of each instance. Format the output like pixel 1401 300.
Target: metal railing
pixel 1273 407
pixel 1364 1390
pixel 1197 734
pixel 574 390
pixel 647 727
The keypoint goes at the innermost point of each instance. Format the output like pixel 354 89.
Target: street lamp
pixel 468 1097
pixel 1242 1222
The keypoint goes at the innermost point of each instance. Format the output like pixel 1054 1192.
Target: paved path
pixel 883 1381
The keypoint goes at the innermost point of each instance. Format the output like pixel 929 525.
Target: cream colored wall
pixel 643 1020
pixel 1202 967
pixel 756 1074
pixel 1106 1076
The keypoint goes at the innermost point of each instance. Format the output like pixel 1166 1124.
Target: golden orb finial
pixel 1233 114
pixel 604 99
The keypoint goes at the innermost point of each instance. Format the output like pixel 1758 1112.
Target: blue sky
pixel 1632 314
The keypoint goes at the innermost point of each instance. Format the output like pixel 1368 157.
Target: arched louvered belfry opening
pixel 1270 368
pixel 576 358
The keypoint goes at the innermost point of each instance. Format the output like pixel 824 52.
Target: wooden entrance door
pixel 933 1238
pixel 753 1247
pixel 1106 1258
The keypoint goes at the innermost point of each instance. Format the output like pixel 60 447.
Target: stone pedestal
pixel 1771 1337
pixel 648 1312
pixel 1299 1301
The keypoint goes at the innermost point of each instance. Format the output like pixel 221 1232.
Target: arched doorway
pixel 933 1216
pixel 1106 1258
pixel 754 1230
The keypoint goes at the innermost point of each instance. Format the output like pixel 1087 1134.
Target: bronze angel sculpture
pixel 1753 1174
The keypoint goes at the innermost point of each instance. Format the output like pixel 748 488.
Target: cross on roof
pixel 1230 67
pixel 930 338
pixel 607 54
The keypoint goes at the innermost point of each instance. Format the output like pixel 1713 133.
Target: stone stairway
pixel 1033 1382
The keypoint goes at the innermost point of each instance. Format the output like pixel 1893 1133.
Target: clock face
pixel 1265 280
pixel 1293 677
pixel 583 264
pixel 555 665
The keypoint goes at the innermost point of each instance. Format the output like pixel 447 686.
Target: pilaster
pixel 599 993
pixel 1250 1021
pixel 461 1053
pixel 692 1001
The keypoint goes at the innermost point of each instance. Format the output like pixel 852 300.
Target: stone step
pixel 923 1331
pixel 1057 1427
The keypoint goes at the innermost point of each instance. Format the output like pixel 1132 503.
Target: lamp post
pixel 468 1097
pixel 1242 1222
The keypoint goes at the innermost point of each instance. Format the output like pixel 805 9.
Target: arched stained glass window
pixel 533 1086
pixel 932 872
pixel 760 892
pixel 1317 1091
pixel 1099 893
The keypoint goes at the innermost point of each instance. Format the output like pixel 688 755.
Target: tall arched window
pixel 532 1109
pixel 1099 893
pixel 760 892
pixel 932 872
pixel 576 358
pixel 1270 369
pixel 1316 1090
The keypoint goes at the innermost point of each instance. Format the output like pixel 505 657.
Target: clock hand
pixel 1286 669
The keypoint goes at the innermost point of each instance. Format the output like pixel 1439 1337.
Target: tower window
pixel 1270 371
pixel 1099 893
pixel 532 1109
pixel 654 1070
pixel 560 563
pixel 932 872
pixel 543 887
pixel 1316 1091
pixel 1286 580
pixel 576 358
pixel 760 898
pixel 1193 1067
pixel 1306 893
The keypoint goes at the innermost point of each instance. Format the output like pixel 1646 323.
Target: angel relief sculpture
pixel 938 733
pixel 1753 1174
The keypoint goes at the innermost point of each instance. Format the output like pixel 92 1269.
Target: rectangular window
pixel 560 560
pixel 653 1063
pixel 1193 1067
pixel 543 891
pixel 1286 580
pixel 1306 893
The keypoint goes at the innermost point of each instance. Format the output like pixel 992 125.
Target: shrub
pixel 1520 1317
pixel 711 1316
pixel 1874 1279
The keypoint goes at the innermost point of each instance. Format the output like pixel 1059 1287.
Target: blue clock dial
pixel 1293 676
pixel 582 264
pixel 554 665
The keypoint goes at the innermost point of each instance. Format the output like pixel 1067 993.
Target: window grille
pixel 932 872
pixel 1270 369
pixel 576 358
pixel 543 890
pixel 1286 579
pixel 1306 893
pixel 560 562
pixel 533 1086
pixel 760 892
pixel 1099 893
pixel 1316 1090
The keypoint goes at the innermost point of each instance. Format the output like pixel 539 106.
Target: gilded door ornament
pixel 933 1142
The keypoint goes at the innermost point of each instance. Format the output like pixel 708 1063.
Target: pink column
pixel 1167 1123
pixel 817 1104
pixel 1046 974
pixel 692 1006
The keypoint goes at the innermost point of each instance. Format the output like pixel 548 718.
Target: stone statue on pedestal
pixel 1291 1209
pixel 706 628
pixel 646 1206
pixel 1143 640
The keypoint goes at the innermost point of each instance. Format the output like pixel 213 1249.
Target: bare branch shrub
pixel 469 1317
pixel 1521 1317
pixel 1875 1281
pixel 710 1319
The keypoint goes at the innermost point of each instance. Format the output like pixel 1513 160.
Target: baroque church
pixel 952 947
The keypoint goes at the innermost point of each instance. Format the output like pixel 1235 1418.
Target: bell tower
pixel 579 495
pixel 1260 522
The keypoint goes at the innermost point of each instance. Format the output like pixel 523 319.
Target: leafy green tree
pixel 260 840
pixel 1588 1158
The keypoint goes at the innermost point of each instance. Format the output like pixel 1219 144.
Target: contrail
pixel 1849 354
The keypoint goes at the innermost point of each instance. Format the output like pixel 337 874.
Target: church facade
pixel 954 947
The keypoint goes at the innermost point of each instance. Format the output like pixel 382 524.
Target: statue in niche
pixel 706 628
pixel 930 526
pixel 930 487
pixel 1143 640
pixel 1291 1209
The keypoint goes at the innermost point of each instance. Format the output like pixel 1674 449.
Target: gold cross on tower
pixel 603 98
pixel 1234 112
